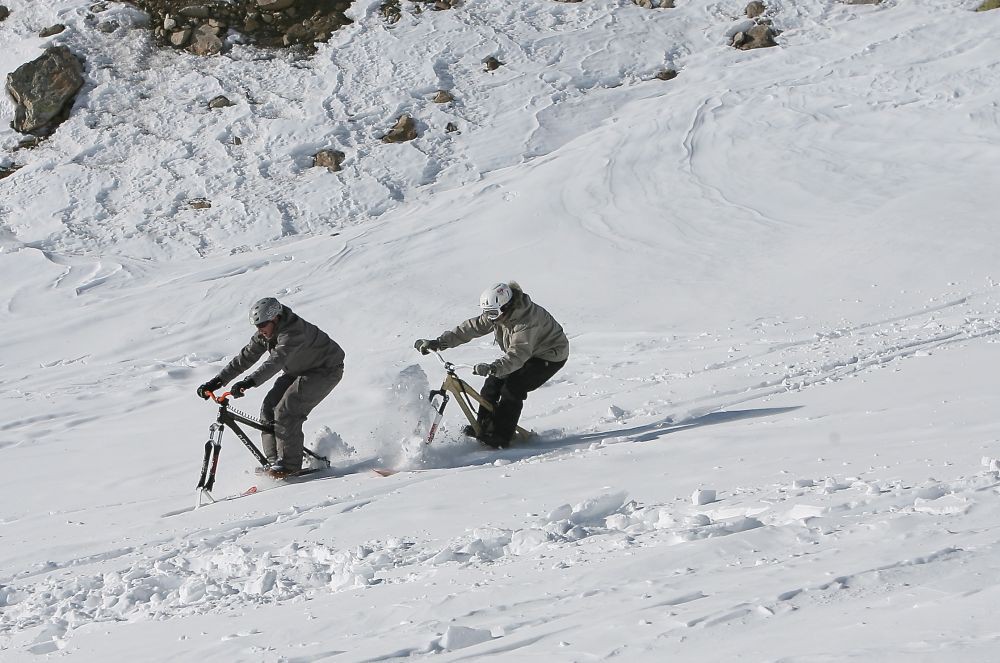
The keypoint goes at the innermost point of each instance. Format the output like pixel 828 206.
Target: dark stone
pixel 492 63
pixel 52 30
pixel 390 11
pixel 405 129
pixel 8 170
pixel 330 159
pixel 759 36
pixel 220 101
pixel 754 9
pixel 43 90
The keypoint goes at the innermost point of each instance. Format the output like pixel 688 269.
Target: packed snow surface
pixel 776 437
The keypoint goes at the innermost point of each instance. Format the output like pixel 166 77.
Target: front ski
pixel 235 496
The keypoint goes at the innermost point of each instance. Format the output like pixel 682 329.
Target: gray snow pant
pixel 287 405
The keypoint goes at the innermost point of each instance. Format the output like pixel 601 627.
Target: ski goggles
pixel 493 313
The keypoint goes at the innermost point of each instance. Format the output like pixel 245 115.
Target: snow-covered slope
pixel 777 274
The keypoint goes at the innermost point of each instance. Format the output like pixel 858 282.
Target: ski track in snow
pixel 216 569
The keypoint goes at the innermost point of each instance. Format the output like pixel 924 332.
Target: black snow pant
pixel 507 395
pixel 287 405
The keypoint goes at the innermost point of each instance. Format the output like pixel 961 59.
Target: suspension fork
pixel 443 393
pixel 210 464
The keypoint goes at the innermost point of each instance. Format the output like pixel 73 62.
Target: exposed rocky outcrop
pixel 988 5
pixel 202 28
pixel 44 89
pixel 4 13
pixel 443 97
pixel 655 4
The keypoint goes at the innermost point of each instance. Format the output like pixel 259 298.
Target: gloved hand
pixel 482 369
pixel 424 346
pixel 211 385
pixel 239 389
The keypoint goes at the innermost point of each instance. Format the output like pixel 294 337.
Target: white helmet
pixel 494 299
pixel 265 309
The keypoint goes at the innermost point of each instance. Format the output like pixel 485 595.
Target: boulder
pixel 205 40
pixel 195 11
pixel 754 9
pixel 492 63
pixel 52 30
pixel 443 97
pixel 390 11
pixel 330 159
pixel 274 5
pixel 666 74
pixel 180 37
pixel 44 89
pixel 220 101
pixel 4 13
pixel 405 129
pixel 8 170
pixel 759 36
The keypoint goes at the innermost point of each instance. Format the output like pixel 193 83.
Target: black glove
pixel 424 346
pixel 482 369
pixel 239 389
pixel 211 385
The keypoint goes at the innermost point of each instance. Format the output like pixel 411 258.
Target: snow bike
pixel 464 394
pixel 213 447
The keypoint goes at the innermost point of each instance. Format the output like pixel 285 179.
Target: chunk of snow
pixel 702 496
pixel 459 637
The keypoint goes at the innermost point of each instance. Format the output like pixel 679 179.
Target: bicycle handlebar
pixel 448 365
pixel 219 399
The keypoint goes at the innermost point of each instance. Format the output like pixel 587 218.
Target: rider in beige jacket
pixel 534 345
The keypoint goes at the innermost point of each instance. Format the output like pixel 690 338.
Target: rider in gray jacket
pixel 534 345
pixel 312 365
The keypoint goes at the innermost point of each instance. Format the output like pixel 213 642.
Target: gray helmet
pixel 265 309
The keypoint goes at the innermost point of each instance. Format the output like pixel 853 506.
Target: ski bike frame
pixel 213 447
pixel 464 394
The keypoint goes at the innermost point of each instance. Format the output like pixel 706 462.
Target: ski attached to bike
pixel 229 418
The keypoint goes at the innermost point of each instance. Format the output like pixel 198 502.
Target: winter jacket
pixel 298 348
pixel 526 330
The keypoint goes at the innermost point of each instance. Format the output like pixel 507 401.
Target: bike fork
pixel 440 413
pixel 210 464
